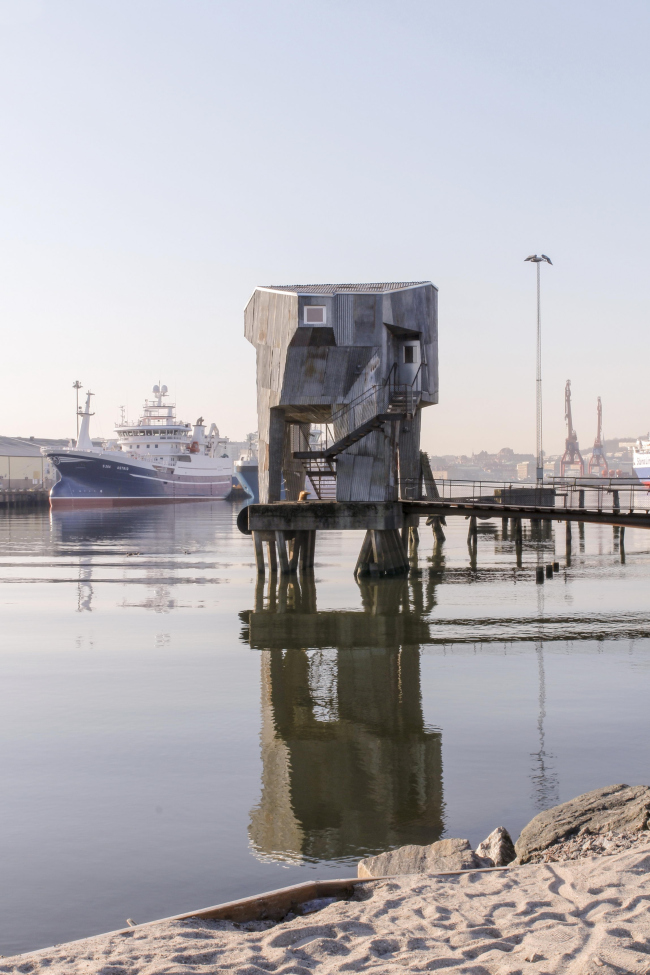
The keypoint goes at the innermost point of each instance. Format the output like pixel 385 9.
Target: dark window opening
pixel 409 353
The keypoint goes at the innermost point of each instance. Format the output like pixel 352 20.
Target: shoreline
pixel 572 915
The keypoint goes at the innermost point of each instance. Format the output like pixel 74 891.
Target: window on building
pixel 315 315
pixel 410 353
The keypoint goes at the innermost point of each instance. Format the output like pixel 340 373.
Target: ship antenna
pixel 77 386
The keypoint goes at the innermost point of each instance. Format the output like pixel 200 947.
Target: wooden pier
pixel 24 499
pixel 390 544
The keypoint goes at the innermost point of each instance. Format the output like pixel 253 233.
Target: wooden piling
pixel 413 544
pixel 382 553
pixel 272 558
pixel 362 567
pixel 259 552
pixel 307 550
pixel 283 558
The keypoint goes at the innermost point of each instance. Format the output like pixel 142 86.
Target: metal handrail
pixel 589 494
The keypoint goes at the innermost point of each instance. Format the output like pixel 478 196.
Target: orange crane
pixel 571 453
pixel 598 461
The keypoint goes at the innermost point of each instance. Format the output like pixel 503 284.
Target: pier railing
pixel 591 494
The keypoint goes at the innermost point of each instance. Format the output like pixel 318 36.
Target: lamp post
pixel 537 260
pixel 77 386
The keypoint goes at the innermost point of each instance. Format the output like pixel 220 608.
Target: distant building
pixel 22 464
pixel 526 470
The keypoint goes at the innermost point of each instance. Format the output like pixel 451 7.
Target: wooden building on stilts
pixel 343 373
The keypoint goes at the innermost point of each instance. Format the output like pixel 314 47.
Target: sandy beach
pixel 585 916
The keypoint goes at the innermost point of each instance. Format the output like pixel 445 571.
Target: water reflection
pixel 85 586
pixel 102 525
pixel 349 766
pixel 546 786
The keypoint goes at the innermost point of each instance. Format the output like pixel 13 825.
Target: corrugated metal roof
pixel 333 289
pixel 19 447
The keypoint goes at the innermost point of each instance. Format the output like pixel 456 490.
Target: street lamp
pixel 539 259
pixel 77 386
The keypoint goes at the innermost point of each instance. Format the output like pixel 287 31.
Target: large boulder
pixel 439 857
pixel 615 808
pixel 498 847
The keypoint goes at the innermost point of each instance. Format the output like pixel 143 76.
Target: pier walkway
pixel 391 526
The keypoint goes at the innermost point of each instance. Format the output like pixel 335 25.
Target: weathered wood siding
pixel 307 373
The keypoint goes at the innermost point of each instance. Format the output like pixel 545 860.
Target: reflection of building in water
pixel 348 764
pixel 85 587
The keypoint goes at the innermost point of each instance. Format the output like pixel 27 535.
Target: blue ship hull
pixel 643 473
pixel 249 480
pixel 93 481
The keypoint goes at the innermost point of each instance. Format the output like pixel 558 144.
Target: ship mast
pixel 83 440
pixel 77 386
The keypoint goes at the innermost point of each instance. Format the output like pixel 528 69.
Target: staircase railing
pixel 388 397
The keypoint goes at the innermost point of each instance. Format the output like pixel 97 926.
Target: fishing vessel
pixel 159 458
pixel 641 460
pixel 246 468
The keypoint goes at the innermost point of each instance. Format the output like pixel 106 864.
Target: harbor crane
pixel 571 453
pixel 598 461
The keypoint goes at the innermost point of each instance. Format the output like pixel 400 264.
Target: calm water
pixel 174 736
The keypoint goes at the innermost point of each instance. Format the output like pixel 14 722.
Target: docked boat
pixel 641 460
pixel 246 468
pixel 159 458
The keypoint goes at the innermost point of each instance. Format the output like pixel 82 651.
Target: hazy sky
pixel 161 158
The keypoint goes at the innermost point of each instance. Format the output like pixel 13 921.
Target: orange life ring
pixel 194 447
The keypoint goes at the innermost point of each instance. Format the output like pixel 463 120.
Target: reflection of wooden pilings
pixel 519 542
pixel 567 542
pixel 622 544
pixel 382 553
pixel 473 528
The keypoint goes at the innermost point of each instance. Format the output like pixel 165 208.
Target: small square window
pixel 315 315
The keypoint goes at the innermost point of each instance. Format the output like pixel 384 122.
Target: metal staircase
pixel 368 412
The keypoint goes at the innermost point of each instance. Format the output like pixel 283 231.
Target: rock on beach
pixel 611 810
pixel 440 857
pixel 498 847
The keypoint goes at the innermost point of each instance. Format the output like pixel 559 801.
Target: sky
pixel 162 158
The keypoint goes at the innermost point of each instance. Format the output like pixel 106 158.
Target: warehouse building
pixel 22 464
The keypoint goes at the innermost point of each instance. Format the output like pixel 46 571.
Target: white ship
pixel 159 458
pixel 641 462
